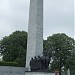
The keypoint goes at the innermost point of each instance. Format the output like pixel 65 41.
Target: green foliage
pixel 8 64
pixel 14 47
pixel 60 47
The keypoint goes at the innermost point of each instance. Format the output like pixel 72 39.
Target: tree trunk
pixel 65 70
pixel 60 67
pixel 60 72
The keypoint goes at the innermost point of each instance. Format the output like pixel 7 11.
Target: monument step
pixel 39 73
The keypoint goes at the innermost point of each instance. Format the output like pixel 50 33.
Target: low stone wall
pixel 39 73
pixel 8 70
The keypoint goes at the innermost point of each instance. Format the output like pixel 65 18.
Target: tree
pixel 61 48
pixel 14 46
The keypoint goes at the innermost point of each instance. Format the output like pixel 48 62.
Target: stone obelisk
pixel 35 31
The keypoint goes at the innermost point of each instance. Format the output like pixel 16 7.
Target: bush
pixel 2 63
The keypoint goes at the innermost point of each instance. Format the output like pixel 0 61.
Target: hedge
pixel 2 63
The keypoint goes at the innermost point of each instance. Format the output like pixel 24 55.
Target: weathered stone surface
pixel 35 30
pixel 8 70
pixel 38 73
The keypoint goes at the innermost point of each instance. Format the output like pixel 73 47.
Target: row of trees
pixel 59 47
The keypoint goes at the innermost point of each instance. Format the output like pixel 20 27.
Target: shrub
pixel 2 63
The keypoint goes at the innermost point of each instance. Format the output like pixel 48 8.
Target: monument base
pixel 39 73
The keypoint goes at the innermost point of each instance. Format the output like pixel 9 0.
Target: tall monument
pixel 35 30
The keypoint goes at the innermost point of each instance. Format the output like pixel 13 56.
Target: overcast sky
pixel 58 17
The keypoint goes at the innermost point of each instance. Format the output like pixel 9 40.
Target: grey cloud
pixel 19 14
pixel 58 16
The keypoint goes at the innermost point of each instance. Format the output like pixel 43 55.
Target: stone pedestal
pixel 39 73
